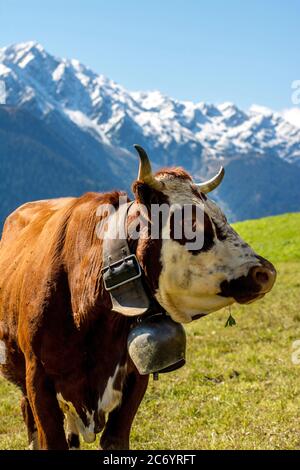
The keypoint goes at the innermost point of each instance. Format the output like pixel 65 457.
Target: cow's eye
pixel 185 222
pixel 191 218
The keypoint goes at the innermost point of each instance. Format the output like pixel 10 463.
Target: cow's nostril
pixel 261 277
pixel 265 277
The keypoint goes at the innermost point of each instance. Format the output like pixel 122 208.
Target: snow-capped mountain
pixel 100 120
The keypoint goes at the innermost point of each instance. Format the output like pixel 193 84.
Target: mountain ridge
pixel 102 116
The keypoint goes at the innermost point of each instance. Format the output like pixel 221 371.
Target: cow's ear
pixel 147 195
pixel 142 192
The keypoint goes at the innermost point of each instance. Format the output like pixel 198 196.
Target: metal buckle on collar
pixel 121 272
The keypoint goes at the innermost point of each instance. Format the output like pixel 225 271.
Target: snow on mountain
pixel 37 79
pixel 199 136
pixel 292 115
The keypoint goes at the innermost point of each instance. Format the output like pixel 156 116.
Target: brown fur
pixel 148 250
pixel 208 232
pixel 56 319
pixel 176 172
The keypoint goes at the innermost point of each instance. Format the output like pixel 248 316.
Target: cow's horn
pixel 213 183
pixel 145 170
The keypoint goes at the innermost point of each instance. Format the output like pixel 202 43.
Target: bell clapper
pixel 155 376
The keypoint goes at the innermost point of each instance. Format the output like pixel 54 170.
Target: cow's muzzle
pixel 258 282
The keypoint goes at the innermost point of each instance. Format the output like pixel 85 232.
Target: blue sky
pixel 216 50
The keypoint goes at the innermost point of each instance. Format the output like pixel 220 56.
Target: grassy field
pixel 239 389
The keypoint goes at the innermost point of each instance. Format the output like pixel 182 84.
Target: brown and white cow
pixel 63 345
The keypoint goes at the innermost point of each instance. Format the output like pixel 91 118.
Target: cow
pixel 65 347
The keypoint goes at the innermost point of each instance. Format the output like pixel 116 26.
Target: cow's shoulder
pixel 31 212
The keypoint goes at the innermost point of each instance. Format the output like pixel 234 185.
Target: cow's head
pixel 191 282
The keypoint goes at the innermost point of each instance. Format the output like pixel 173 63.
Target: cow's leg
pixel 47 414
pixel 30 424
pixel 13 369
pixel 72 433
pixel 117 429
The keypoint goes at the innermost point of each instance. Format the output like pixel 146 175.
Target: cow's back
pixel 24 215
pixel 42 240
pixel 22 239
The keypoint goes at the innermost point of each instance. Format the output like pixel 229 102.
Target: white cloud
pixel 292 115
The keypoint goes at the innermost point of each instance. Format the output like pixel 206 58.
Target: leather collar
pixel 122 273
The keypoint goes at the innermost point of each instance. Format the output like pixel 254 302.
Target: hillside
pixel 41 160
pixel 89 124
pixel 276 238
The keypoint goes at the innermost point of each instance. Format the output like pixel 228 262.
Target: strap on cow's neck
pixel 122 271
pixel 115 241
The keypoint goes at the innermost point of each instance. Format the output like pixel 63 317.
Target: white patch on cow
pixel 87 432
pixel 189 284
pixel 111 398
pixel 71 427
pixel 2 352
pixel 34 444
pixel 186 288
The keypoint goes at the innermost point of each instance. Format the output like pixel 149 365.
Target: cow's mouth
pixel 254 286
pixel 248 299
pixel 198 315
pixel 242 298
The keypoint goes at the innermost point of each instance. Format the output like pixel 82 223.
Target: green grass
pixel 239 388
pixel 277 238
